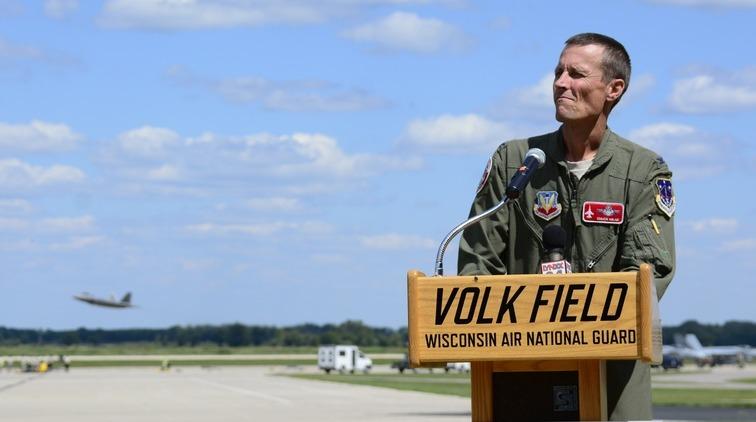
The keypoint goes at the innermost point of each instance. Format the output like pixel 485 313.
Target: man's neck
pixel 582 139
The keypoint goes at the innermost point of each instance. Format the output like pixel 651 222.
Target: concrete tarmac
pixel 217 394
pixel 259 393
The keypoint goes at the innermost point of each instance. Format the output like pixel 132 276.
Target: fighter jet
pixel 110 303
pixel 688 346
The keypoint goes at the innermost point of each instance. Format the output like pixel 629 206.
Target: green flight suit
pixel 510 241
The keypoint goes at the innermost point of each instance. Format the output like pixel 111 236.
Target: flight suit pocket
pixel 648 246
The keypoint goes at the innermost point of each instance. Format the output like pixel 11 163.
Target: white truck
pixel 343 358
pixel 461 367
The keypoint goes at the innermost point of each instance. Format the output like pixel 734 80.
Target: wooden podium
pixel 537 343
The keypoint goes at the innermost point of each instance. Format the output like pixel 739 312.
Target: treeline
pixel 729 333
pixel 231 335
pixel 348 332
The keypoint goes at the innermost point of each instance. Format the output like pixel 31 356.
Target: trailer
pixel 343 358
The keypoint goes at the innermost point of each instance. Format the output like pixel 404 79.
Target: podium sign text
pixel 549 317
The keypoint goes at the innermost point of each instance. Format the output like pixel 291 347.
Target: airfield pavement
pixel 256 393
pixel 244 393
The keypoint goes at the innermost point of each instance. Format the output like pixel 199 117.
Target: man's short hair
pixel 616 62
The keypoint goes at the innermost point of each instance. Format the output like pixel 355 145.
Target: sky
pixel 276 162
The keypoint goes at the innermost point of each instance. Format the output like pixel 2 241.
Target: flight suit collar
pixel 557 152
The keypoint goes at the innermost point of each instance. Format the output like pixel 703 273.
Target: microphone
pixel 553 262
pixel 534 159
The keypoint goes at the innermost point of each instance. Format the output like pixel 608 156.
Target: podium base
pixel 538 391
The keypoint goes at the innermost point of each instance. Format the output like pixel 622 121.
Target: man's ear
pixel 614 90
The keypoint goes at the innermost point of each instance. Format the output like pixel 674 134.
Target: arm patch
pixel 486 174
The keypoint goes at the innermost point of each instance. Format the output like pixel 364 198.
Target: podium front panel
pixel 526 317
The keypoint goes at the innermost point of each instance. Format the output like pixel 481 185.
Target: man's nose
pixel 561 80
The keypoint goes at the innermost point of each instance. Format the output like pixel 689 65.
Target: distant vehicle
pixel 689 347
pixel 343 358
pixel 670 361
pixel 125 302
pixel 402 365
pixel 458 366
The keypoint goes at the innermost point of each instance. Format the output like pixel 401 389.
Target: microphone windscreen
pixel 554 237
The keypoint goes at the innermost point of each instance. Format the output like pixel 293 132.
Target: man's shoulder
pixel 641 160
pixel 517 148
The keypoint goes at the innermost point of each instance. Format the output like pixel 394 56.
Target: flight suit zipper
pixel 592 263
pixel 576 217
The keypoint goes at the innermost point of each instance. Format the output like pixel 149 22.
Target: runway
pixel 260 393
pixel 196 394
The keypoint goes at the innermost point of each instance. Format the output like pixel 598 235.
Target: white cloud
pixel 393 241
pixel 210 164
pixel 709 3
pixel 292 96
pixel 198 264
pixel 37 136
pixel 402 31
pixel 314 153
pixel 276 203
pixel 258 229
pixel 15 206
pixel 165 172
pixel 196 14
pixel 18 245
pixel 690 153
pixel 540 95
pixel 49 225
pixel 656 135
pixel 15 52
pixel 15 173
pixel 83 223
pixel 457 133
pixel 59 9
pixel 13 224
pixel 739 245
pixel 709 93
pixel 713 225
pixel 148 141
pixel 199 14
pixel 78 242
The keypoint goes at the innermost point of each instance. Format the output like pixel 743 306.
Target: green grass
pixel 155 349
pixel 448 384
pixel 191 362
pixel 459 385
pixel 149 349
pixel 704 397
pixel 745 380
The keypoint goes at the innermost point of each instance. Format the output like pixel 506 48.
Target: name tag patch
pixel 603 212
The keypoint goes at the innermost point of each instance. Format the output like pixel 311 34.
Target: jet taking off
pixel 110 303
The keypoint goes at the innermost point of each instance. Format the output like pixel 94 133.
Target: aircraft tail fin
pixel 692 341
pixel 679 340
pixel 126 298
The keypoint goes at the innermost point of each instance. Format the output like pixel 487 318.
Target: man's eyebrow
pixel 576 68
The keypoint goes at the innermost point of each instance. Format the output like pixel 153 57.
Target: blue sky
pixel 280 162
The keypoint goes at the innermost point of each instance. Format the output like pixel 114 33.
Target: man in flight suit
pixel 613 198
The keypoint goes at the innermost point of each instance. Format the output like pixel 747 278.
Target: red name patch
pixel 603 212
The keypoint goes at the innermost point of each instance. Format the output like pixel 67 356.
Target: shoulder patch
pixel 486 174
pixel 665 196
pixel 547 205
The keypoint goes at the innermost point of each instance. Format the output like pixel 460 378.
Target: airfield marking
pixel 244 391
pixel 18 383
